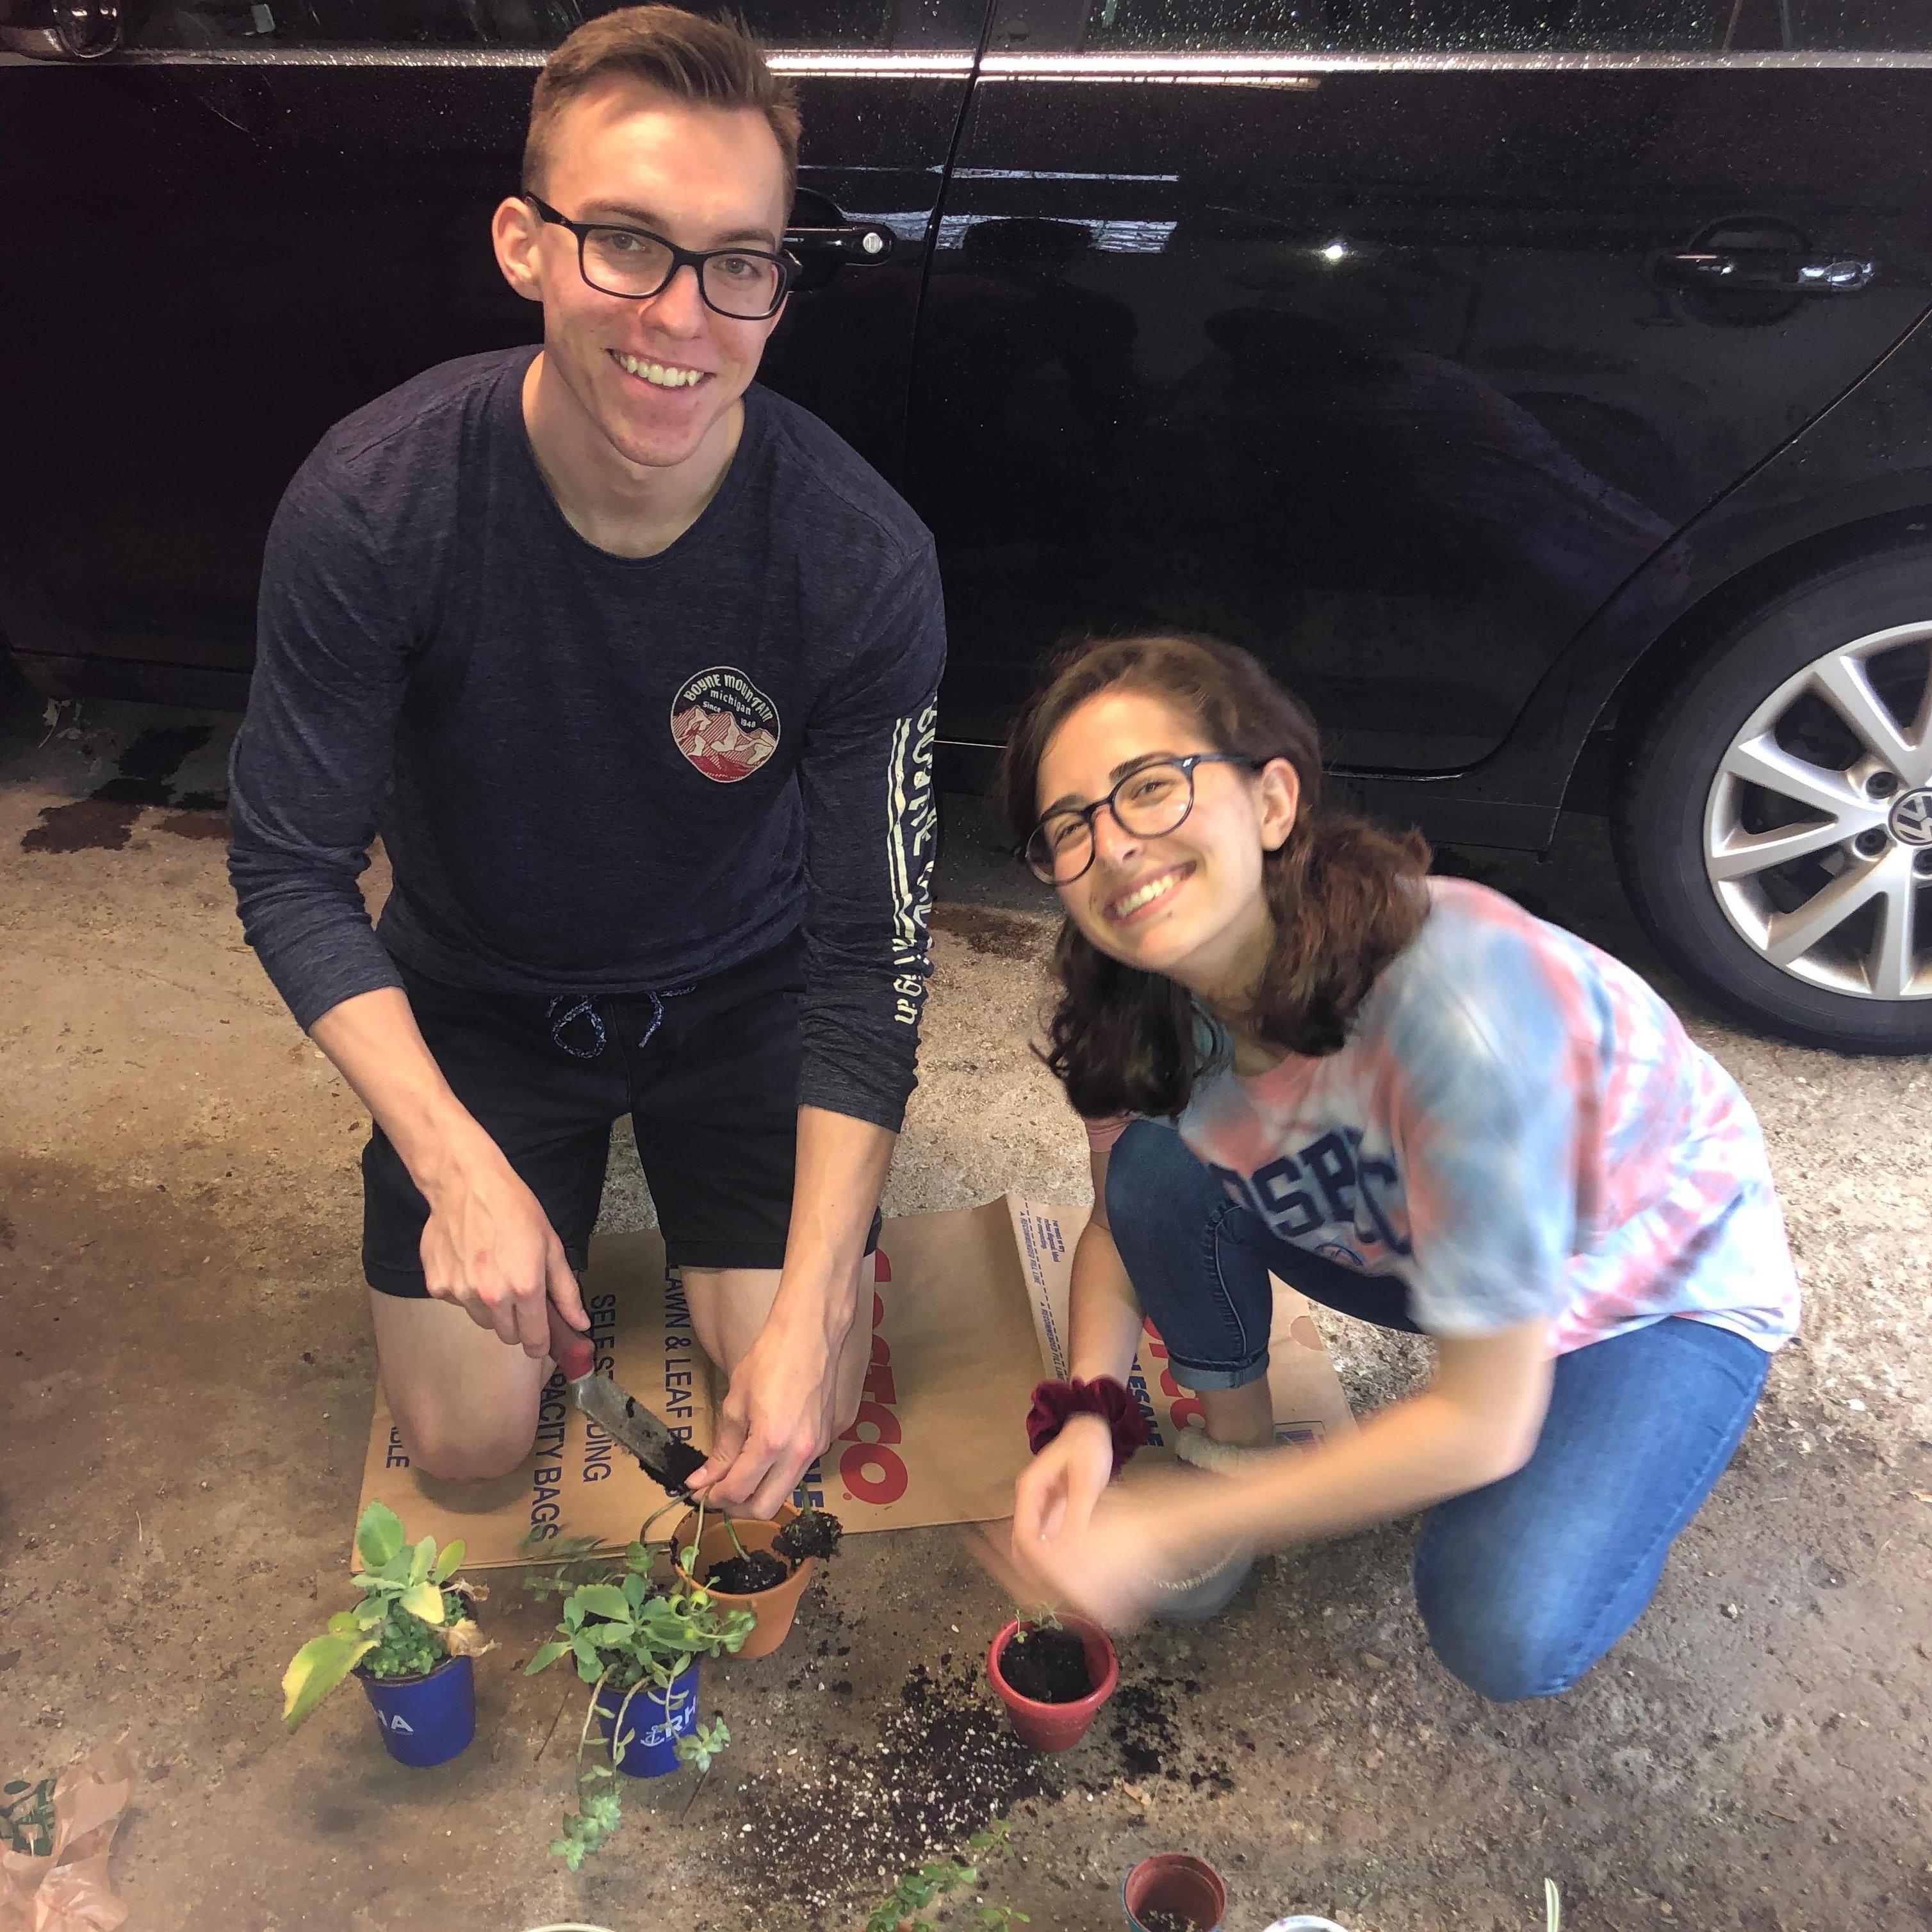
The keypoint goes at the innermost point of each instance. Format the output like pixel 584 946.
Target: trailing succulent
pixel 624 1636
pixel 924 1895
pixel 415 1612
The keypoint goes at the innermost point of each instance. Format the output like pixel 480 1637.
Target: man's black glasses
pixel 747 284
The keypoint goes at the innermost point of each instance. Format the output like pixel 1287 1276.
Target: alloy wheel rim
pixel 1818 825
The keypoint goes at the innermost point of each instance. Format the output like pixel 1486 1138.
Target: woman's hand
pixel 1142 1534
pixel 1058 1489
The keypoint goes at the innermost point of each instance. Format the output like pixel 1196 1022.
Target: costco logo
pixel 870 1466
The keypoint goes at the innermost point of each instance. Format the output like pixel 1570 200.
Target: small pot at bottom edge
pixel 1175 1882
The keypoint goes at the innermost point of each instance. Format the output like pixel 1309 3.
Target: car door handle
pixel 1777 271
pixel 863 243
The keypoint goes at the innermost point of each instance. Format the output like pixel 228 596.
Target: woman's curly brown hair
pixel 1346 896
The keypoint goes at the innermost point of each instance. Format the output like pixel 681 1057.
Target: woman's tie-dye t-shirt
pixel 1518 1127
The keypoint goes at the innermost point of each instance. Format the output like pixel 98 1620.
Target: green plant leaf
pixel 588 1662
pixel 316 1669
pixel 378 1536
pixel 603 1600
pixel 424 1600
pixel 450 1561
pixel 370 1615
pixel 421 1558
pixel 548 1655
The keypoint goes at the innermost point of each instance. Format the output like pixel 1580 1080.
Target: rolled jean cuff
pixel 1195 1380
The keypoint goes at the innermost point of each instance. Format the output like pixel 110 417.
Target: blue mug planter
pixel 426 1720
pixel 654 1722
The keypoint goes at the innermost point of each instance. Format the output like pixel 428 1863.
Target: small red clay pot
pixel 1173 1881
pixel 774 1608
pixel 1057 1727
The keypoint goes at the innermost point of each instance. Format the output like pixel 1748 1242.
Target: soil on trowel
pixel 681 1462
pixel 811 1533
pixel 1048 1665
pixel 746 1576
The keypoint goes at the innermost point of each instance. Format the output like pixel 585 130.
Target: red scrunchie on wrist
pixel 1053 1402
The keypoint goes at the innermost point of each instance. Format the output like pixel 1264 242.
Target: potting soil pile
pixel 969 1312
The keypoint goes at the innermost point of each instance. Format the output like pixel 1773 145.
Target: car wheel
pixel 1774 826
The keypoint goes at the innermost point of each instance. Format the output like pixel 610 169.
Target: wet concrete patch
pixel 104 820
pixel 1004 935
pixel 203 824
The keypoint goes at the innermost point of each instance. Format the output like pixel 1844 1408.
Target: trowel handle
pixel 574 1353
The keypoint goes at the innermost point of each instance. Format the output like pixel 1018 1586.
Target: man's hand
pixel 1058 1490
pixel 489 1249
pixel 776 1417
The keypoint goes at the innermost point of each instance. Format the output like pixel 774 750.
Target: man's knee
pixel 454 1450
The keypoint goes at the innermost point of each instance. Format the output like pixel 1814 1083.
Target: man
pixel 632 664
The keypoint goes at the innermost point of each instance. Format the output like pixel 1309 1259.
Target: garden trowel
pixel 669 1462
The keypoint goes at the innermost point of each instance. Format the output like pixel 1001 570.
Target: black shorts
pixel 708 1073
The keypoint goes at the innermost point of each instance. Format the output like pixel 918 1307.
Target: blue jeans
pixel 1524 1584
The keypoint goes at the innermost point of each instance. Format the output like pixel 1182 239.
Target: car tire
pixel 1773 825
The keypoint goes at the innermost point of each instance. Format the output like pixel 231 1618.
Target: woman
pixel 1421 1107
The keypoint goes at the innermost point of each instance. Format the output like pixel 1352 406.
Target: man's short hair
pixel 715 62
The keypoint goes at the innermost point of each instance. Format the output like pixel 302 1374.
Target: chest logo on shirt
pixel 724 724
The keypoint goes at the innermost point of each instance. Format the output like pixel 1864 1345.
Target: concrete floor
pixel 188 1385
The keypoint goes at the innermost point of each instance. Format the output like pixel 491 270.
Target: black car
pixel 1542 386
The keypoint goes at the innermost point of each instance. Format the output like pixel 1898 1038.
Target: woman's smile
pixel 1138 903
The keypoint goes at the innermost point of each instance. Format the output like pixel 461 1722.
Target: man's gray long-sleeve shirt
pixel 594 774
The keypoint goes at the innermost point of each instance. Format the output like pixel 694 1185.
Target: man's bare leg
pixel 728 1307
pixel 465 1402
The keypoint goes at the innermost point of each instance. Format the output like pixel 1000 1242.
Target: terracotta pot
pixel 774 1608
pixel 1057 1727
pixel 1173 1881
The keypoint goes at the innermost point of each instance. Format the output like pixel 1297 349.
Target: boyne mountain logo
pixel 724 724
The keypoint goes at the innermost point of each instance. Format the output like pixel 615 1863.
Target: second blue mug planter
pixel 656 1719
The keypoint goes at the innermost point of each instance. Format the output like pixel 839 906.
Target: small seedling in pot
pixel 626 1636
pixel 913 1900
pixel 414 1615
pixel 1045 1618
pixel 1045 1660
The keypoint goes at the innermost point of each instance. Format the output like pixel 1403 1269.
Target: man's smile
pixel 659 375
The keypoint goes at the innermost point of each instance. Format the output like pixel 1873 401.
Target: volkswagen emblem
pixel 1912 818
